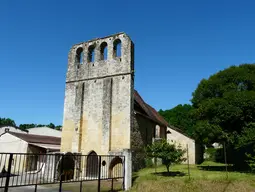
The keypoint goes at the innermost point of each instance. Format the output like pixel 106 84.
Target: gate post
pixel 99 175
pixel 128 169
pixel 8 173
pixel 61 172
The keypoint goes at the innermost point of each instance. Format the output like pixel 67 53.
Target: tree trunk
pixel 167 167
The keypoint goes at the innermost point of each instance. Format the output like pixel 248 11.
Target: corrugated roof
pixel 30 138
pixel 150 111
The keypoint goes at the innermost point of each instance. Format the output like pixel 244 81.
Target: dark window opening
pixel 79 55
pixel 91 53
pixel 117 48
pixel 103 51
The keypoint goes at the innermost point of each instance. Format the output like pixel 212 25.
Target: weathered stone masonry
pixel 99 96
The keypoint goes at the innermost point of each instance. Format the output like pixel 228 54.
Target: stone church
pixel 103 114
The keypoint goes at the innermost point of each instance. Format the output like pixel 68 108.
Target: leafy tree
pixel 27 126
pixel 7 121
pixel 180 116
pixel 51 125
pixel 169 153
pixel 225 103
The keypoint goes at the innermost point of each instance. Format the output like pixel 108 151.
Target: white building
pixel 174 135
pixel 13 142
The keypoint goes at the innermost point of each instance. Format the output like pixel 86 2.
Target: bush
pixel 211 152
pixel 149 162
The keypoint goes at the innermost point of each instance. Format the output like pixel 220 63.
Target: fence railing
pixel 24 169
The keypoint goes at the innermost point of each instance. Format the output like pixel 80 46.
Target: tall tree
pixel 226 102
pixel 224 110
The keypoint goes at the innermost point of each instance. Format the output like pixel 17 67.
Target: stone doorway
pixel 116 168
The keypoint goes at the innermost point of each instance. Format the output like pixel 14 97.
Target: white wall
pixel 46 131
pixel 12 144
pixel 183 140
pixel 12 129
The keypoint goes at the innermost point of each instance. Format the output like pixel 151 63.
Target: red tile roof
pixel 30 138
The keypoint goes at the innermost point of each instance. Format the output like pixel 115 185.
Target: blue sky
pixel 177 43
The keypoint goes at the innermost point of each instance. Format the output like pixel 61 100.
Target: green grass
pixel 211 163
pixel 200 180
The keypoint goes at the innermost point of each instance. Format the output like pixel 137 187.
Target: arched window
pixel 117 48
pixel 91 53
pixel 79 55
pixel 103 51
pixel 157 131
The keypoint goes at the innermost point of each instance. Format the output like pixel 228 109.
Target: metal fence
pixel 18 169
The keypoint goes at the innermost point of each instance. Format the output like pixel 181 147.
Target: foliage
pixel 211 152
pixel 180 117
pixel 148 162
pixel 247 137
pixel 7 121
pixel 169 153
pixel 28 126
pixel 251 162
pixel 224 104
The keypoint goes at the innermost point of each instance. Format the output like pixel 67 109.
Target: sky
pixel 177 43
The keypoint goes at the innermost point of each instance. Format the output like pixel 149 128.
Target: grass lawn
pixel 200 180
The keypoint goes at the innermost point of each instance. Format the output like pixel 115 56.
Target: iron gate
pixel 26 169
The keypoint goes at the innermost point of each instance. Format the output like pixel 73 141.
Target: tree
pixel 169 153
pixel 180 116
pixel 27 126
pixel 226 102
pixel 224 105
pixel 7 121
pixel 51 125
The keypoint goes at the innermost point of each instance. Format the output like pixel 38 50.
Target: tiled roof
pixel 150 111
pixel 30 138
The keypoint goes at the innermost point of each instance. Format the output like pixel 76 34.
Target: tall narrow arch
pixel 92 165
pixel 103 51
pixel 116 168
pixel 91 53
pixel 117 48
pixel 79 56
pixel 157 131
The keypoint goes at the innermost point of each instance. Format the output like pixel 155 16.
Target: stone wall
pixel 99 96
pixel 142 135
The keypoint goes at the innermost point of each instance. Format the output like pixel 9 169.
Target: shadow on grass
pixel 170 174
